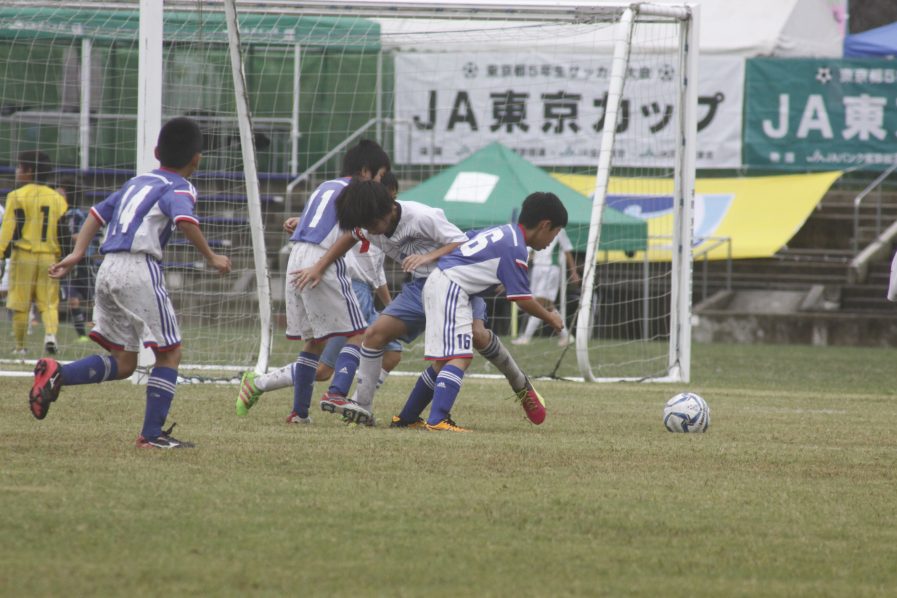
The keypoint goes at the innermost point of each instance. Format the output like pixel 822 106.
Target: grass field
pixel 790 493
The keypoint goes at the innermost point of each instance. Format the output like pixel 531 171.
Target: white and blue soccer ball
pixel 686 412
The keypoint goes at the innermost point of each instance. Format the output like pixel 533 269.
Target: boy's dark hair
pixel 179 140
pixel 541 206
pixel 74 194
pixel 390 181
pixel 366 154
pixel 362 202
pixel 38 163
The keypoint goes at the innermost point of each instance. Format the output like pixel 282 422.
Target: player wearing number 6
pixel 131 303
pixel 29 229
pixel 496 256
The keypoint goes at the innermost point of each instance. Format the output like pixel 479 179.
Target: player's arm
pixel 534 308
pixel 412 262
pixel 312 275
pixel 88 231
pixel 191 230
pixel 9 225
pixel 571 267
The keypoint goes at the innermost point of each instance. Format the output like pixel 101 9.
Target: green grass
pixel 790 493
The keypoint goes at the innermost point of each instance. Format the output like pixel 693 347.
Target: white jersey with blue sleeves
pixel 318 224
pixel 141 216
pixel 495 256
pixel 420 230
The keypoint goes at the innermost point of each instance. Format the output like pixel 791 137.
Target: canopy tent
pixel 880 42
pixel 488 187
pixel 783 28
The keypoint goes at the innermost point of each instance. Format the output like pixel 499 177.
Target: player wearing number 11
pixel 132 306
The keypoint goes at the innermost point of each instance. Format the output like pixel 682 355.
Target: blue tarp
pixel 880 42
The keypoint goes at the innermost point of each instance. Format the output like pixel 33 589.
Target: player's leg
pixel 328 358
pixel 46 299
pixel 329 309
pixel 349 357
pixel 118 330
pixel 160 389
pixel 490 346
pixel 22 271
pixel 418 400
pixel 448 344
pixel 143 298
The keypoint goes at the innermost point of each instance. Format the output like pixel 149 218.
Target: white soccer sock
pixel 383 376
pixel 368 376
pixel 279 378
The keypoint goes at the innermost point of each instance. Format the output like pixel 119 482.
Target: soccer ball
pixel 686 412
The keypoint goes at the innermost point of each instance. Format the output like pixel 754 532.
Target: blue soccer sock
pixel 448 384
pixel 344 370
pixel 420 396
pixel 92 369
pixel 304 382
pixel 159 393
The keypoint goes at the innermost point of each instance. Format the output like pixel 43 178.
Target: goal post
pixel 679 363
pixel 478 105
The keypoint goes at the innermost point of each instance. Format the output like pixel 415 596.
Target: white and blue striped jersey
pixel 141 216
pixel 318 224
pixel 495 256
pixel 420 230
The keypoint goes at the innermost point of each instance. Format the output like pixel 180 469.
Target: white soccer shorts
pixel 132 306
pixel 329 309
pixel 449 332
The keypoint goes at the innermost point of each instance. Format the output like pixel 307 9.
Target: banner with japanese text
pixel 550 108
pixel 820 114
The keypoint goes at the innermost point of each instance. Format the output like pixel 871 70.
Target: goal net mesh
pixel 475 110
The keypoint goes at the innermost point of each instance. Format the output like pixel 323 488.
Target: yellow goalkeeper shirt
pixel 31 218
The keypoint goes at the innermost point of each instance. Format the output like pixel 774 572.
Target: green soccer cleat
pixel 249 393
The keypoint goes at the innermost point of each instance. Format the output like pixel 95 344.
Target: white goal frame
pixel 625 16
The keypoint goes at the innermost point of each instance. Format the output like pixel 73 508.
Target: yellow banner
pixel 755 216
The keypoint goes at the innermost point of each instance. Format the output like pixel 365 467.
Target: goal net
pixel 478 106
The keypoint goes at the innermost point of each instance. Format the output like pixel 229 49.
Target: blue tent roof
pixel 879 42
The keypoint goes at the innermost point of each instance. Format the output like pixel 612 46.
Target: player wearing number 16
pixel 495 256
pixel 132 306
pixel 32 213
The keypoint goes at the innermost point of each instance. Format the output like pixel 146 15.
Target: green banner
pixel 820 114
pixel 347 33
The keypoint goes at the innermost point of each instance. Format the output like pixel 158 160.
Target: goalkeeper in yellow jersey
pixel 29 237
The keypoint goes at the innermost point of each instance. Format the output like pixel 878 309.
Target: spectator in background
pixel 545 279
pixel 29 232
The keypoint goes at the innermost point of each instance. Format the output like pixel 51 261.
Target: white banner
pixel 550 109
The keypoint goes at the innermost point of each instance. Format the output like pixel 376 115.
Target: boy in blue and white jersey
pixel 132 305
pixel 368 281
pixel 495 256
pixel 416 236
pixel 321 311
